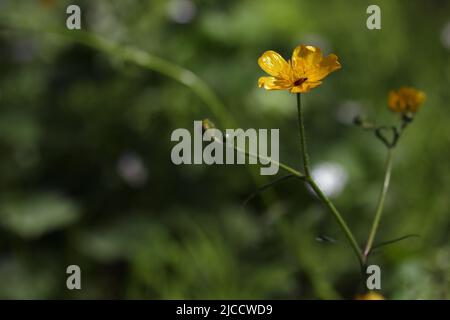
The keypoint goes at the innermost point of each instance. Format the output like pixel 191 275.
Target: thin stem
pixel 277 163
pixel 348 233
pixel 289 169
pixel 385 243
pixel 302 136
pixel 327 202
pixel 379 210
pixel 267 186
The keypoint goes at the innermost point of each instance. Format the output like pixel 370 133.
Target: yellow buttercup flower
pixel 369 296
pixel 405 100
pixel 302 73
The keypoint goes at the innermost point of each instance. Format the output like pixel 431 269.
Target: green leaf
pixel 35 215
pixel 386 243
pixel 267 186
pixel 326 239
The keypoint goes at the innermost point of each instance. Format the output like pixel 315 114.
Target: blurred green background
pixel 85 170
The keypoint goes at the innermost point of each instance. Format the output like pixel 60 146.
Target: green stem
pixel 277 163
pixel 289 169
pixel 379 210
pixel 348 233
pixel 302 136
pixel 327 202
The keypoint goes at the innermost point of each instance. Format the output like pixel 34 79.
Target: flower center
pixel 300 81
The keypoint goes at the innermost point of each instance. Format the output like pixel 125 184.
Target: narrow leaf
pixel 385 243
pixel 326 239
pixel 266 186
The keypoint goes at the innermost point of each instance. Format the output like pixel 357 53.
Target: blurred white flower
pixel 330 177
pixel 347 111
pixel 132 170
pixel 181 11
pixel 445 36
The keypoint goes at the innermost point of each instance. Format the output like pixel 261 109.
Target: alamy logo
pixel 74 279
pixel 73 21
pixel 374 279
pixel 211 146
pixel 373 22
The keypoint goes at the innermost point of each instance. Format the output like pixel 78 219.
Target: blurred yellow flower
pixel 302 73
pixel 405 100
pixel 369 296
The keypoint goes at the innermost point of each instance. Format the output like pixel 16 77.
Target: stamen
pixel 300 81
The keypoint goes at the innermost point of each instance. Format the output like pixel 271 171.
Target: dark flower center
pixel 300 81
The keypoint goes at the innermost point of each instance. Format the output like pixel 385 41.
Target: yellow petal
pixel 305 56
pixel 274 64
pixel 272 83
pixel 394 102
pixel 369 296
pixel 324 68
pixel 305 86
pixel 302 73
pixel 405 100
pixel 308 62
